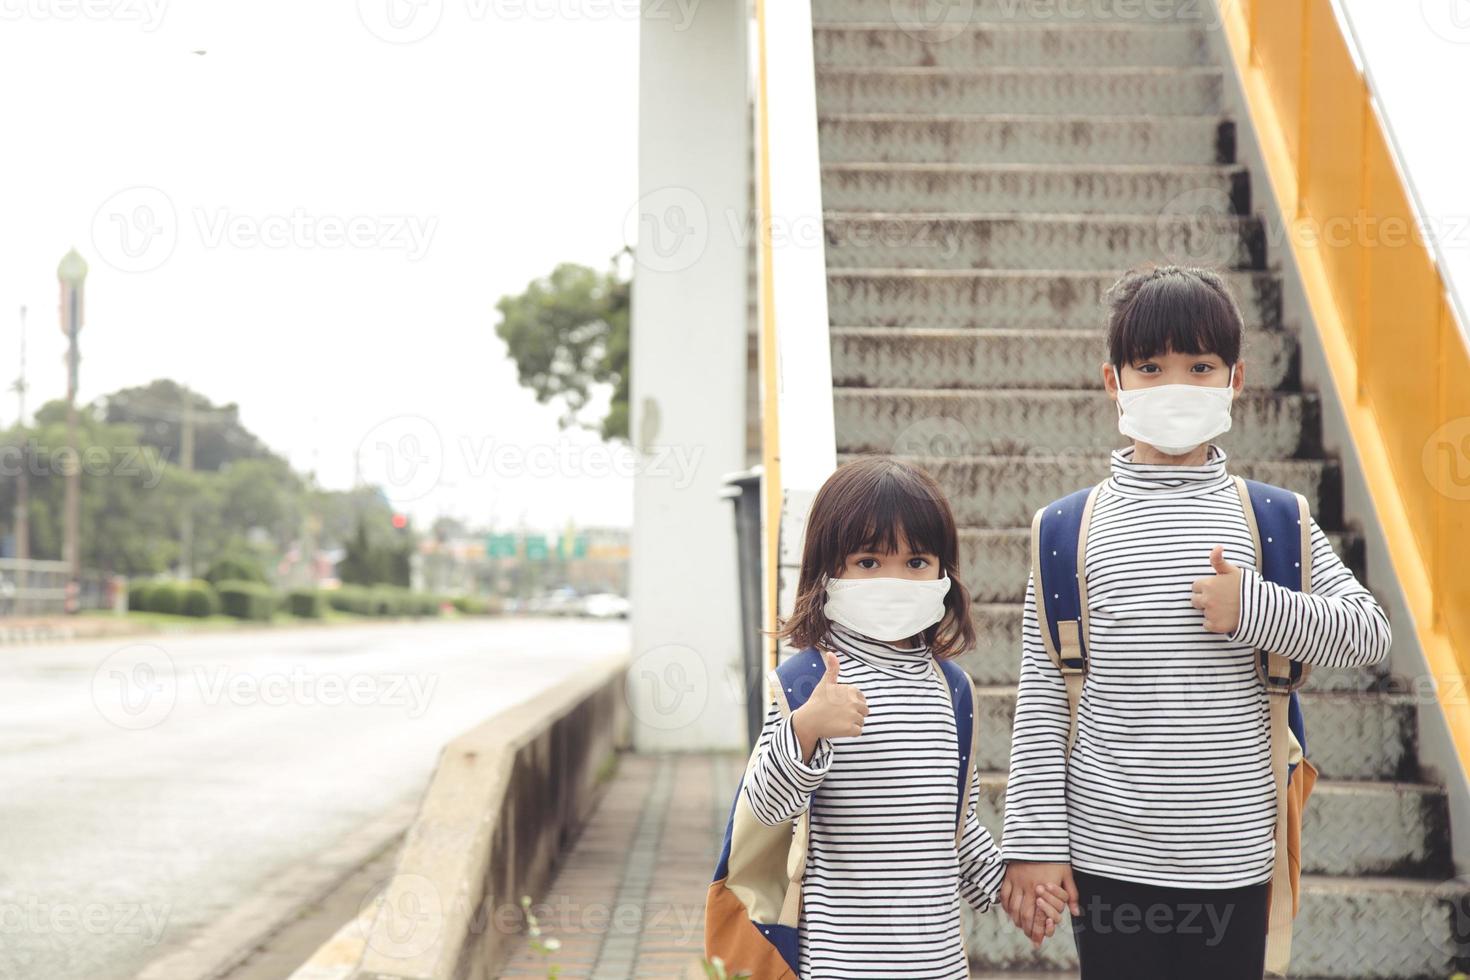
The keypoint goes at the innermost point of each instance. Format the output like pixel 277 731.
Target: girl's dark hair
pixel 864 506
pixel 1164 308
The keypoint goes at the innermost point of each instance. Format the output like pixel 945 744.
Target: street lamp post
pixel 71 273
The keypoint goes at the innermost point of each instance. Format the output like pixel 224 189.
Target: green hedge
pixel 140 591
pixel 383 600
pixel 246 600
pixel 308 603
pixel 471 605
pixel 198 598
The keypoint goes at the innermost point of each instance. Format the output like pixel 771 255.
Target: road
pixel 151 784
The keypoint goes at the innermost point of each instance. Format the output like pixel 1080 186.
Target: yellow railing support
pixel 1394 345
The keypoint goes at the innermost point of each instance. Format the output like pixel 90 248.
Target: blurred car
pixel 605 605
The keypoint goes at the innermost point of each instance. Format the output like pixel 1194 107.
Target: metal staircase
pixel 982 183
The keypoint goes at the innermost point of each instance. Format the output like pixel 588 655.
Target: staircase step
pixel 1034 188
pixel 1352 739
pixel 995 562
pixel 1041 90
pixel 1016 299
pixel 1049 423
pixel 912 138
pixel 912 357
pixel 883 43
pixel 1004 491
pixel 1346 929
pixel 1192 232
pixel 937 14
pixel 1349 827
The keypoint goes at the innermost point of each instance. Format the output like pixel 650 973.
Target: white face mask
pixel 1175 419
pixel 886 608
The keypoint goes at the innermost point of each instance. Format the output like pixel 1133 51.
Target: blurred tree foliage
pixel 567 333
pixel 246 501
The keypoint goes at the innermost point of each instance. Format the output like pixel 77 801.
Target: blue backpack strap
pixel 1281 529
pixel 1058 554
pixel 967 733
pixel 794 679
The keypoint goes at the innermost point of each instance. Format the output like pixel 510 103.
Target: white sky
pixel 1418 54
pixel 501 143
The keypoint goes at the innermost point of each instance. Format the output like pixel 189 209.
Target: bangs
pixel 1186 311
pixel 885 503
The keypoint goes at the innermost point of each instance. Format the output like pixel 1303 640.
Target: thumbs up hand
pixel 833 708
pixel 1219 594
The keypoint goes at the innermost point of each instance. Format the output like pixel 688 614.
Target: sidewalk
pixel 629 899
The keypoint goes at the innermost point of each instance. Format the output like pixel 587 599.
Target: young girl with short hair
pixel 873 752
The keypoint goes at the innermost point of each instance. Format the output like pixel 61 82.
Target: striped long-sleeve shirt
pixel 881 892
pixel 1169 781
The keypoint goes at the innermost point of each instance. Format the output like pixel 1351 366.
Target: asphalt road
pixel 148 785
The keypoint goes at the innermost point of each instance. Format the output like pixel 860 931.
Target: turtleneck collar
pixel 895 658
pixel 1132 479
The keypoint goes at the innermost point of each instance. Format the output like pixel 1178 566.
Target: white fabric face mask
pixel 886 608
pixel 1175 419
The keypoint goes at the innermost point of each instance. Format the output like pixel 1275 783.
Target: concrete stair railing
pixel 984 179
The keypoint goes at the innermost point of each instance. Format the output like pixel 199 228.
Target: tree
pixel 158 410
pixel 568 332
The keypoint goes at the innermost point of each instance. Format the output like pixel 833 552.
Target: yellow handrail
pixel 766 351
pixel 1396 351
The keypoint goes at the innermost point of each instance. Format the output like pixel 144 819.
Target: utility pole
pixel 71 273
pixel 23 485
pixel 186 461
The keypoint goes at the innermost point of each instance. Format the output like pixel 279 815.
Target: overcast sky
pixel 315 218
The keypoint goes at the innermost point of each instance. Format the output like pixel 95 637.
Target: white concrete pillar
pixel 688 363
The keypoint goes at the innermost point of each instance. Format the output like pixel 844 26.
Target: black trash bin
pixel 744 490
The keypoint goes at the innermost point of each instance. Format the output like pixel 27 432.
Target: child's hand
pixel 1051 902
pixel 1029 891
pixel 833 709
pixel 1219 594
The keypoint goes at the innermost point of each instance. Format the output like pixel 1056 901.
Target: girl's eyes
pixel 921 563
pixel 1201 367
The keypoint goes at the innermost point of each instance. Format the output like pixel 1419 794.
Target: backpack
pixel 1282 517
pixel 752 912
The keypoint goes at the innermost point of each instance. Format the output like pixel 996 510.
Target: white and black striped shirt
pixel 1170 781
pixel 880 896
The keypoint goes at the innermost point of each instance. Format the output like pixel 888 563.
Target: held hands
pixel 1219 594
pixel 833 709
pixel 1035 893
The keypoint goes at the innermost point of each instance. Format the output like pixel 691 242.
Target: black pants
pixel 1152 932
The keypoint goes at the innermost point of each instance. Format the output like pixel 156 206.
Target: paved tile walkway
pixel 628 901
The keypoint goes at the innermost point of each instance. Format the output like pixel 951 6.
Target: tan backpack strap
pixel 1284 745
pixel 801 830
